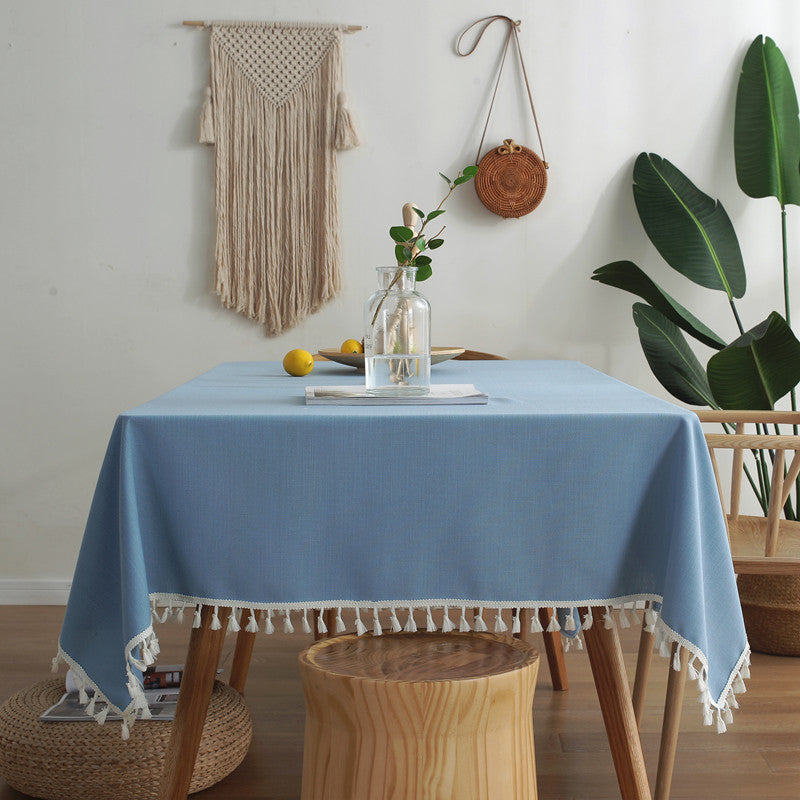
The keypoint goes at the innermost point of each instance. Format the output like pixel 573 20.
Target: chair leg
pixel 554 651
pixel 676 683
pixel 642 671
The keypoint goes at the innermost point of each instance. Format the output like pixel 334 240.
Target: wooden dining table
pixel 230 501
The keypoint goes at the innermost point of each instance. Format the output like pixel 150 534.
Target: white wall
pixel 106 208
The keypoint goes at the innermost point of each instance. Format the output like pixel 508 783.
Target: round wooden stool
pixel 418 716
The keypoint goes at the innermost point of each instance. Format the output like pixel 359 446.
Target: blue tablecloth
pixel 568 488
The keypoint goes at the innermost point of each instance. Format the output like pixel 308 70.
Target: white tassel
pixel 663 649
pixel 478 624
pixel 346 137
pixel 145 713
pixel 377 628
pixel 340 626
pixel 676 659
pixel 83 698
pixel 287 621
pixel 536 623
pixel 463 625
pixel 499 625
pixel 361 628
pixel 252 623
pixel 147 656
pixel 634 613
pixel 197 618
pixel 650 618
pixel 166 615
pixel 155 647
pixel 101 715
pixel 269 627
pixel 430 625
pixel 579 642
pixel 608 619
pixel 738 684
pixel 394 622
pixel 624 621
pixel 233 623
pixel 207 119
pixel 179 615
pixel 153 611
pixel 728 715
pixel 553 626
pixel 515 625
pixel 721 727
pixel 215 623
pixel 55 663
pixel 126 731
pixel 447 623
pixel 691 671
pixel 305 626
pixel 411 625
pixel 588 620
pixel 569 622
pixel 734 703
pixel 745 670
pixel 321 626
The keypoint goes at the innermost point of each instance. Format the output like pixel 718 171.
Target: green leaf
pixel 422 261
pixel 400 233
pixel 470 171
pixel 627 276
pixel 419 213
pixel 758 368
pixel 434 243
pixel 446 178
pixel 402 253
pixel 437 213
pixel 673 363
pixel 462 179
pixel 424 272
pixel 766 131
pixel 692 231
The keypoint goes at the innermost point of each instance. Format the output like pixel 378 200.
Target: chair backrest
pixel 776 468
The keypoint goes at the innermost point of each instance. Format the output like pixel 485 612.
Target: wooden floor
pixel 758 758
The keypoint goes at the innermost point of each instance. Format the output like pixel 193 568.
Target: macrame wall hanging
pixel 276 112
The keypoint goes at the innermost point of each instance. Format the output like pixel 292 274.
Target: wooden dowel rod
pixel 199 23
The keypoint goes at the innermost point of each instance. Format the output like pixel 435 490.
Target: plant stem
pixel 736 315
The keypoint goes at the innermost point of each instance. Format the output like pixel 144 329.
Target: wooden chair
pixel 763 548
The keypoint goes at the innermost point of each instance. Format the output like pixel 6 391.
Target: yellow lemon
pixel 351 346
pixel 298 362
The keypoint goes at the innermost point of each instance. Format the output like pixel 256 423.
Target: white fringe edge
pixel 142 650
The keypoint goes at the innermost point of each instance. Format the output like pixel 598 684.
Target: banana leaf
pixel 758 368
pixel 670 358
pixel 692 231
pixel 766 132
pixel 627 276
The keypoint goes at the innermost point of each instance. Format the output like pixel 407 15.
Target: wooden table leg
pixel 554 651
pixel 241 659
pixel 643 660
pixel 676 683
pixel 199 673
pixel 611 682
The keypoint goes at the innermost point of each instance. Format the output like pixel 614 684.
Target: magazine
pixel 162 705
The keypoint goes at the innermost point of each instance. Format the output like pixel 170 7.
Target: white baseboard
pixel 20 592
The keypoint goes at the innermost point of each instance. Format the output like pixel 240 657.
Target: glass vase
pixel 397 336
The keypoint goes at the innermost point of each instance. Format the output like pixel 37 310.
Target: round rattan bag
pixel 511 180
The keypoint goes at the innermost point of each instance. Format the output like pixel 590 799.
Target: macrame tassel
pixel 126 731
pixel 721 727
pixel 305 626
pixel 394 622
pixel 553 626
pixel 588 620
pixel 732 701
pixel 463 625
pixel 705 701
pixel 663 649
pixel 252 623
pixel 83 698
pixel 676 659
pixel 745 670
pixel 650 618
pixel 361 628
pixel 377 628
pixel 321 626
pixel 411 625
pixel 727 714
pixel 738 685
pixel 623 617
pixel 54 664
pixel 499 625
pixel 167 614
pixel 233 623
pixel 536 623
pixel 447 623
pixel 179 615
pixel 478 624
pixel 340 626
pixel 215 623
pixel 569 622
pixel 608 619
pixel 287 621
pixel 101 715
pixel 269 627
pixel 197 622
pixel 346 135
pixel 207 119
pixel 515 625
pixel 430 625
